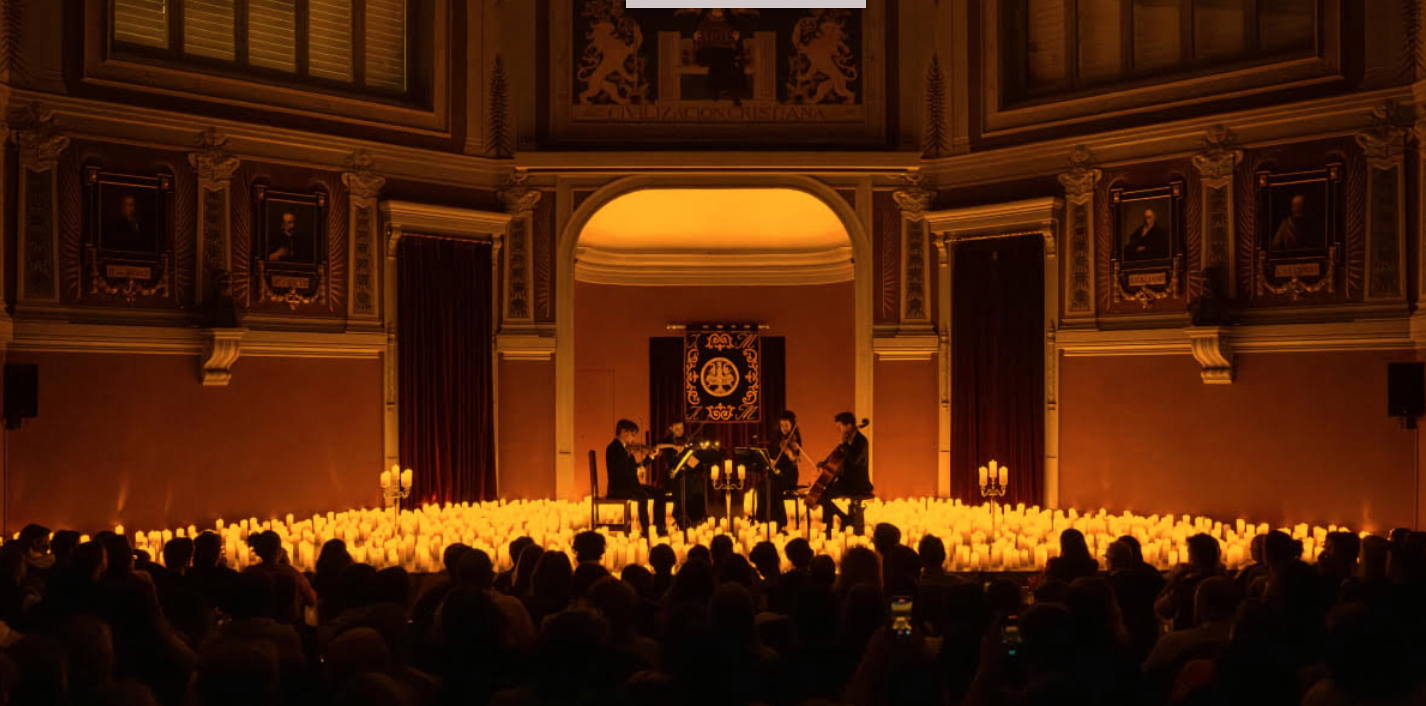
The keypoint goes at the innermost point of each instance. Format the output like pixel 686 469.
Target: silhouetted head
pixel 721 548
pixel 662 558
pixel 588 546
pixel 765 558
pixel 799 552
pixel 1215 600
pixel 207 550
pixel 1073 546
pixel 1203 553
pixel 932 552
pixel 476 570
pixel 178 553
pixel 334 557
pixel 884 537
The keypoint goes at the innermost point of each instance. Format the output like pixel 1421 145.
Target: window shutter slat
pixel 1158 41
pixel 1046 61
pixel 385 59
pixel 1100 40
pixel 1218 29
pixel 1285 25
pixel 272 34
pixel 208 29
pixel 329 39
pixel 141 22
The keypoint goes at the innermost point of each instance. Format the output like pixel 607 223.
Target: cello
pixel 831 468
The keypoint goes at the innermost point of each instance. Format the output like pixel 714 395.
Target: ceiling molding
pixel 525 346
pixel 117 122
pixel 809 162
pixel 65 337
pixel 411 217
pixel 1395 334
pixel 906 346
pixel 598 266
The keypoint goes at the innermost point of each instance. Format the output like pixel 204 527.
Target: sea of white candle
pixel 1022 539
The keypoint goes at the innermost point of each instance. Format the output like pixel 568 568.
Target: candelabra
pixel 727 482
pixel 993 483
pixel 395 487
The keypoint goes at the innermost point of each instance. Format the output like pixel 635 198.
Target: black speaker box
pixel 1406 389
pixel 22 393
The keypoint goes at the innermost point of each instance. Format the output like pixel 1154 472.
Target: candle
pixel 715 473
pixel 742 471
pixel 1002 476
pixel 406 478
pixel 385 479
pixel 728 468
pixel 983 474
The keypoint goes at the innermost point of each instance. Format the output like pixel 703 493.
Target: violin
pixel 786 445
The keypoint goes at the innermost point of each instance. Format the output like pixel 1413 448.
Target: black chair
pixel 595 501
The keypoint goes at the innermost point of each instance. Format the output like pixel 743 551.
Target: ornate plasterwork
pixel 1212 351
pixel 40 147
pixel 1079 184
pixel 1383 144
pixel 363 189
pixel 220 351
pixel 1216 165
pixel 215 167
pixel 520 201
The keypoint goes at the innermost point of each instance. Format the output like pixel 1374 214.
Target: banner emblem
pixel 722 373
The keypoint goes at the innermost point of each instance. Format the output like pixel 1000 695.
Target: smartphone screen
pixel 901 617
pixel 1010 635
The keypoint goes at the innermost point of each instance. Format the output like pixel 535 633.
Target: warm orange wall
pixel 136 439
pixel 905 418
pixel 1298 437
pixel 613 325
pixel 527 429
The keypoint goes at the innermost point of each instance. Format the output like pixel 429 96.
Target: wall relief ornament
pixel 1079 184
pixel 1081 179
pixel 914 199
pixel 40 146
pixel 1218 158
pixel 822 64
pixel 212 160
pixel 1384 140
pixel 517 196
pixel 611 69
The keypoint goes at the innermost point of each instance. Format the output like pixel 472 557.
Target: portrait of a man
pixel 129 224
pixel 291 233
pixel 1146 228
pixel 1296 229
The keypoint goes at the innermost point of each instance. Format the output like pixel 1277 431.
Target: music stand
pixel 756 457
pixel 689 452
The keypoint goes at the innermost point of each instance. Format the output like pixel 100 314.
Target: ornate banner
pixel 722 373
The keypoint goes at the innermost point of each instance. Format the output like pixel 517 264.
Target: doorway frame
pixel 565 251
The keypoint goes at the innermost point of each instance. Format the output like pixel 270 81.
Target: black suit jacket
pixel 855 478
pixel 623 472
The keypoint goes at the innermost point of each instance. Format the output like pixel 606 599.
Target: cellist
pixel 854 478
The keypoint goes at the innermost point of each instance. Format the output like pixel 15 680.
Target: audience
pixel 98 623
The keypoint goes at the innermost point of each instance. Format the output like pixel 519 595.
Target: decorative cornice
pixel 1210 348
pixel 597 266
pixel 517 196
pixel 63 336
pixel 1384 142
pixel 1397 333
pixel 33 126
pixel 1081 179
pixel 525 346
pixel 905 345
pixel 1218 158
pixel 1041 216
pixel 215 164
pixel 404 216
pixel 362 181
pixel 220 351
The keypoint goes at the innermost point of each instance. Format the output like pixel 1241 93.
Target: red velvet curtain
pixel 444 346
pixel 666 393
pixel 997 365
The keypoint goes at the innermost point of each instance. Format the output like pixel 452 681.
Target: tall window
pixel 351 44
pixel 1062 46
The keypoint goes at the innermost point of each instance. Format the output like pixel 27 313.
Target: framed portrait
pixel 1148 242
pixel 1299 230
pixel 290 245
pixel 128 233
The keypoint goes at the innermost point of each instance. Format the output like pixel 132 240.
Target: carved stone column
pixel 37 217
pixel 914 200
pixel 215 167
pixel 1079 184
pixel 1384 145
pixel 517 292
pixel 1216 164
pixel 363 190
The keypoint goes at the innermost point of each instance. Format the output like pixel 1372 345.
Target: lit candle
pixel 728 468
pixel 983 473
pixel 385 479
pixel 742 471
pixel 406 478
pixel 715 473
pixel 1002 476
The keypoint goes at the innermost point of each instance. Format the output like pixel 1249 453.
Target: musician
pixel 623 459
pixel 786 450
pixel 854 478
pixel 689 483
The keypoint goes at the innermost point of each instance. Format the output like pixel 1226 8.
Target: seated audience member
pixel 549 586
pixel 1215 601
pixel 588 547
pixel 1249 575
pixel 1337 565
pixel 1136 586
pixel 1175 602
pixel 1074 561
pixel 267 546
pixel 662 559
pixel 476 571
pixel 505 579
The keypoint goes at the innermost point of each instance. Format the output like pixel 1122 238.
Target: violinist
pixel 688 484
pixel 785 450
pixel 854 478
pixel 623 459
